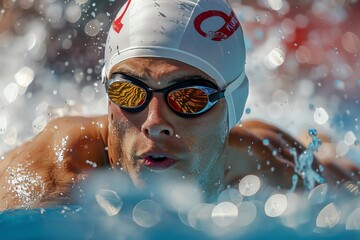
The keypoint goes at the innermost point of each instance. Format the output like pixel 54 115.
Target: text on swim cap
pixel 230 26
pixel 117 24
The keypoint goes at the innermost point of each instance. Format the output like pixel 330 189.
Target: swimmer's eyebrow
pixel 182 77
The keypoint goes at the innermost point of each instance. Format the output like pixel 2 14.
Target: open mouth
pixel 158 162
pixel 158 159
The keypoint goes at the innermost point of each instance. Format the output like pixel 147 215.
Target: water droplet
pixel 247 213
pixel 328 217
pixel 275 4
pixel 318 194
pixel 266 142
pixel 311 106
pixel 353 221
pixel 87 94
pixel 321 116
pixel 199 216
pixel 274 110
pixel 276 205
pixel 274 152
pixel 275 58
pixel 39 124
pixel 11 92
pixel 3 124
pixel 146 213
pixel 92 28
pixel 230 195
pixel 342 148
pixel 91 163
pixel 258 166
pixel 339 84
pixel 109 201
pixel 248 110
pixel 349 138
pixel 24 76
pixel 224 214
pixel 249 185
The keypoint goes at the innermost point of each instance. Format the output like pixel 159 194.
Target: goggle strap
pixel 229 89
pixel 103 75
pixel 235 84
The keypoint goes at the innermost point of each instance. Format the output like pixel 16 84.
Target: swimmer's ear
pixel 103 75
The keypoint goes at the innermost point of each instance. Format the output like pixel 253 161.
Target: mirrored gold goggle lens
pixel 126 94
pixel 188 100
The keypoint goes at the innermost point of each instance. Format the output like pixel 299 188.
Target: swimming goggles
pixel 187 99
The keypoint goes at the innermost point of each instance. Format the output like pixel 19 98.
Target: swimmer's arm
pixel 249 155
pixel 49 165
pixel 274 162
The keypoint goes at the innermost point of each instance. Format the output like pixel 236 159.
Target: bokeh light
pixel 249 185
pixel 328 217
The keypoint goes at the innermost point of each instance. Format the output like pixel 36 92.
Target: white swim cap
pixel 205 34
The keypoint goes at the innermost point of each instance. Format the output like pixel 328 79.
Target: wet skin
pixel 68 150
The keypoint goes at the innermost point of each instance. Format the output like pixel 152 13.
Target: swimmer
pixel 175 78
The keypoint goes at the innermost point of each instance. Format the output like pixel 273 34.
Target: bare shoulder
pixel 46 167
pixel 262 149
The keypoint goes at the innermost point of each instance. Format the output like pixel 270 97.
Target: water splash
pixel 303 163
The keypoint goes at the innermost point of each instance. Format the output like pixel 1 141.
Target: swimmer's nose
pixel 157 123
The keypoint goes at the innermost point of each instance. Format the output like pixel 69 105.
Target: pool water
pixel 173 209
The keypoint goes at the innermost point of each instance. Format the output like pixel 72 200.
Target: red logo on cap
pixel 230 26
pixel 117 24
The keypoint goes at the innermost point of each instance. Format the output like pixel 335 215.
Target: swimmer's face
pixel 155 141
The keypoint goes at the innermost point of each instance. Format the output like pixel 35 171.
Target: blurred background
pixel 302 61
